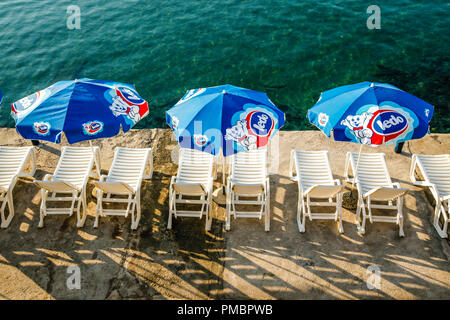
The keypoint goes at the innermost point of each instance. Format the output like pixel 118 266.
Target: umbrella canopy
pixel 371 114
pixel 224 117
pixel 83 109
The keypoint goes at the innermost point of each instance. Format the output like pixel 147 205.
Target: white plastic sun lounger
pixel 123 184
pixel 374 184
pixel 315 180
pixel 248 184
pixel 192 186
pixel 435 170
pixel 13 161
pixel 68 183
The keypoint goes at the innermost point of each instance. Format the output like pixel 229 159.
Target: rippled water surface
pixel 290 49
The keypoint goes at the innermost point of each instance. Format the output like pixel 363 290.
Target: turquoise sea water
pixel 291 49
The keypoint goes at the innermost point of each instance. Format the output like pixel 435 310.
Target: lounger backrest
pixel 75 164
pixel 249 167
pixel 436 169
pixel 128 166
pixel 12 162
pixel 372 171
pixel 194 166
pixel 313 167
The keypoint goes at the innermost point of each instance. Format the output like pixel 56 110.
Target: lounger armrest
pixel 385 194
pixel 323 191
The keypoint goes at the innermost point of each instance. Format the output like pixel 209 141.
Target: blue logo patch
pixel 200 140
pixel 41 128
pixel 92 128
pixel 260 123
pixel 387 122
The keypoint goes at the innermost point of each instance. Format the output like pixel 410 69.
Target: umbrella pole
pixel 96 159
pixel 223 175
pixel 357 164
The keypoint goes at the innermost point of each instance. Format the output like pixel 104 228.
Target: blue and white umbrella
pixel 83 109
pixel 371 114
pixel 227 118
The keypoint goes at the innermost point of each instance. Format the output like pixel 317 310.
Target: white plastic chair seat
pixel 194 179
pixel 385 194
pixel 323 191
pixel 191 189
pixel 72 172
pixel 114 187
pixel 247 188
pixel 125 176
pixel 13 161
pixel 374 183
pixel 57 186
pixel 315 180
pixel 248 179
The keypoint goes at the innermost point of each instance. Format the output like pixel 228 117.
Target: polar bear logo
pixel 358 125
pixel 239 133
pixel 120 107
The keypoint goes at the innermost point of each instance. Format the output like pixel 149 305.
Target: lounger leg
pixel 439 209
pixel 267 208
pixel 358 213
pixel 300 215
pixel 400 216
pixel 99 208
pixel 2 210
pixel 171 204
pixel 133 216
pixel 446 217
pixel 339 210
pixel 83 203
pixel 370 210
pixel 362 230
pixel 43 208
pixel 138 212
pixel 228 210
pixel 7 221
pixel 308 206
pixel 208 213
pixel 361 209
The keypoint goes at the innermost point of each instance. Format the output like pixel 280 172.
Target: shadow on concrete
pixel 243 263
